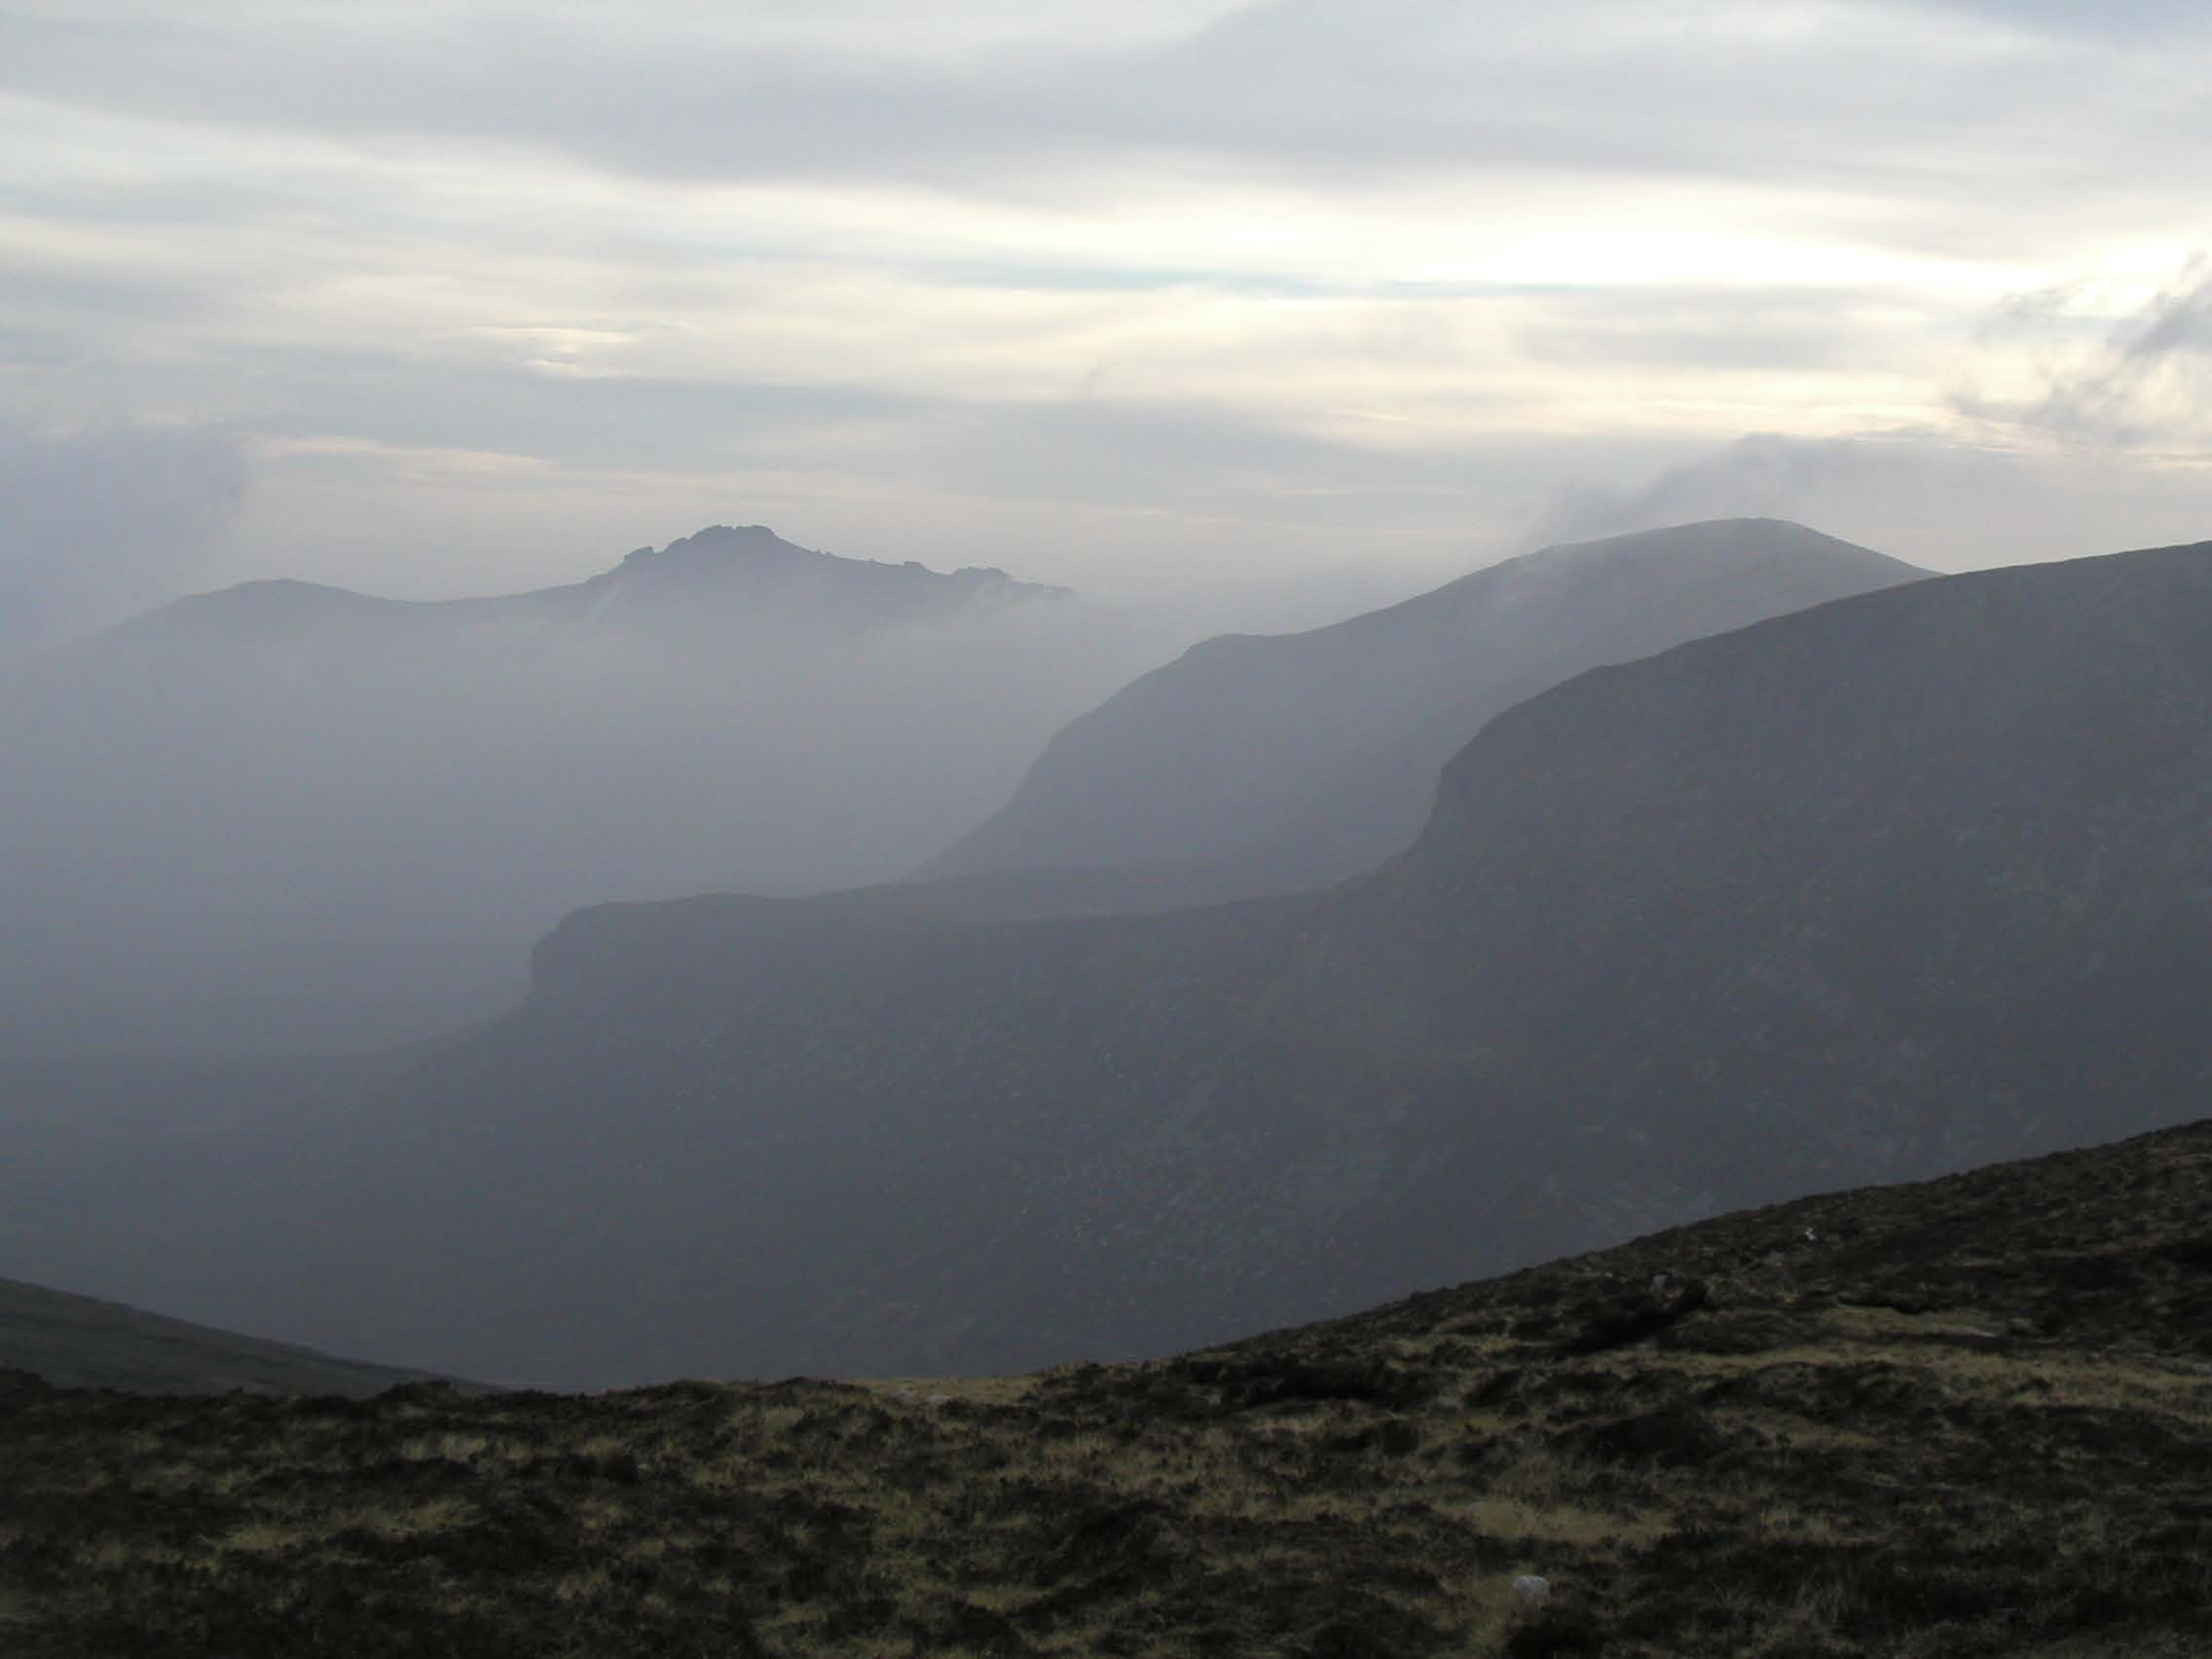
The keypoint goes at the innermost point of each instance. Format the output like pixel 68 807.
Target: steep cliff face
pixel 1908 882
pixel 1934 856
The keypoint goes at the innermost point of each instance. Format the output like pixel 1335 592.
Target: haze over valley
pixel 285 815
pixel 1899 884
pixel 1184 828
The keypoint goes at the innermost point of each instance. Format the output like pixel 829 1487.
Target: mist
pixel 1334 651
pixel 285 816
pixel 105 520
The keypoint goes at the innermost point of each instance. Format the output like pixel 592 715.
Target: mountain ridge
pixel 290 816
pixel 719 554
pixel 1906 882
pixel 1278 762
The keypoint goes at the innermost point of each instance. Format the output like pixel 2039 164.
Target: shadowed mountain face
pixel 1263 764
pixel 1903 883
pixel 291 814
pixel 73 1342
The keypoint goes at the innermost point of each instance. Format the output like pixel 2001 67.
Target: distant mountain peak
pixel 728 550
pixel 1729 547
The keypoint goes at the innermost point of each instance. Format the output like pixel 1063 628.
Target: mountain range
pixel 1906 882
pixel 1257 764
pixel 290 816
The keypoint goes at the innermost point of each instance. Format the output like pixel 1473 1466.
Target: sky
pixel 1296 305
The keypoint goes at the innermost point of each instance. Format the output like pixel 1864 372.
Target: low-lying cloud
pixel 106 521
pixel 2144 380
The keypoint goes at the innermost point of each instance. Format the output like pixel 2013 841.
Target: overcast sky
pixel 431 297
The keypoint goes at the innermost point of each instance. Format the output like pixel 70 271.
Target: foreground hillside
pixel 81 1343
pixel 1965 1417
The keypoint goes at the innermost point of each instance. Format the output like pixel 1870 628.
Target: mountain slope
pixel 1968 1418
pixel 1296 760
pixel 296 816
pixel 1907 882
pixel 75 1342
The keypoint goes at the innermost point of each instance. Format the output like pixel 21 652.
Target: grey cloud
pixel 1126 451
pixel 105 521
pixel 1763 475
pixel 2092 18
pixel 1302 86
pixel 1102 449
pixel 1222 465
pixel 613 421
pixel 1918 495
pixel 57 301
pixel 2146 379
pixel 2179 320
pixel 1760 332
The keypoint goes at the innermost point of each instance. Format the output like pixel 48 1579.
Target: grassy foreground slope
pixel 1971 1417
pixel 81 1343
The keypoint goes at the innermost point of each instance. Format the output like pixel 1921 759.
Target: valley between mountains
pixel 1110 830
pixel 1907 882
pixel 289 818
